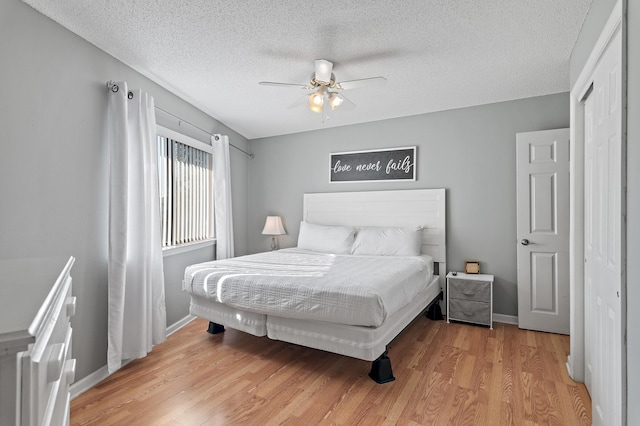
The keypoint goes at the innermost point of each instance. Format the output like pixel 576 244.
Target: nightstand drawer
pixel 468 310
pixel 479 291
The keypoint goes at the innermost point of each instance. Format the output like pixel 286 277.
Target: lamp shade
pixel 335 100
pixel 316 99
pixel 273 226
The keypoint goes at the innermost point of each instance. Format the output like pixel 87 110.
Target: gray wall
pixel 54 169
pixel 469 151
pixel 599 12
pixel 596 19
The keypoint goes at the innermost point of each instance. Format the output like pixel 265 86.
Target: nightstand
pixel 470 298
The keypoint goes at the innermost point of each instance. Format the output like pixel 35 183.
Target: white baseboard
pixel 81 386
pixel 505 319
pixel 178 325
pixel 569 366
pixel 86 383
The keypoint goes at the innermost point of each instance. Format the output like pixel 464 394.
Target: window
pixel 186 189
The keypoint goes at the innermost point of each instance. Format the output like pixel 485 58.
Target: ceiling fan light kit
pixel 317 99
pixel 322 80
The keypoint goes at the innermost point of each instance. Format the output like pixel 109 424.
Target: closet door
pixel 603 238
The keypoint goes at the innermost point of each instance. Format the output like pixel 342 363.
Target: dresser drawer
pixel 479 291
pixel 469 310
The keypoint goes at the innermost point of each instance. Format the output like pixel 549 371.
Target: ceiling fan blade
pixel 323 70
pixel 295 85
pixel 353 84
pixel 347 105
pixel 300 101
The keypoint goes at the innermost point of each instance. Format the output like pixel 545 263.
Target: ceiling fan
pixel 325 89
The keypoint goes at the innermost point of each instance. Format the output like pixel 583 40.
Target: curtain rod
pixel 114 88
pixel 180 121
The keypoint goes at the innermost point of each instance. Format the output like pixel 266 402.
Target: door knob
pixel 524 242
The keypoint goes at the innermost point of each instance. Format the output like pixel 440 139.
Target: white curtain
pixel 137 313
pixel 222 196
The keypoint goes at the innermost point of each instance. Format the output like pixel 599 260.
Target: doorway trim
pixel 579 91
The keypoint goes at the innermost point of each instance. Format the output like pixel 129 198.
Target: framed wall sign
pixel 391 164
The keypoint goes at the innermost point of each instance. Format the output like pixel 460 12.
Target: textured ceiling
pixel 435 54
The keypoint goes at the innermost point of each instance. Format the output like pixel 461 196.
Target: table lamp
pixel 273 226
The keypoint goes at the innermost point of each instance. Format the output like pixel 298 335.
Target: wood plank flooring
pixel 446 374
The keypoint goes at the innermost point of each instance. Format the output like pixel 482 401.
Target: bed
pixel 312 296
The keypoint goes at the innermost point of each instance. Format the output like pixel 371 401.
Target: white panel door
pixel 602 242
pixel 542 168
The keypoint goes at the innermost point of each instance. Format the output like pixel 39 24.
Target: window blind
pixel 186 184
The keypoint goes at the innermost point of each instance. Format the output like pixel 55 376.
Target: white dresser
pixel 36 367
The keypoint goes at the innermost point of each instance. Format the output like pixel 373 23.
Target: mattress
pixel 300 284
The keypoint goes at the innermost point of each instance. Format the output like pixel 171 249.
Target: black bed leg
pixel 434 312
pixel 381 369
pixel 215 328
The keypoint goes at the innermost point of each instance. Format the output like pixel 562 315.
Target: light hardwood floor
pixel 446 374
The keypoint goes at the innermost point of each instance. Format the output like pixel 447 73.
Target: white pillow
pixel 326 238
pixel 388 241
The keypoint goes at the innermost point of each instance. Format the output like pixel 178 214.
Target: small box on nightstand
pixel 471 266
pixel 470 298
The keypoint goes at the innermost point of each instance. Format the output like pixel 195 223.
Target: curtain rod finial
pixel 111 85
